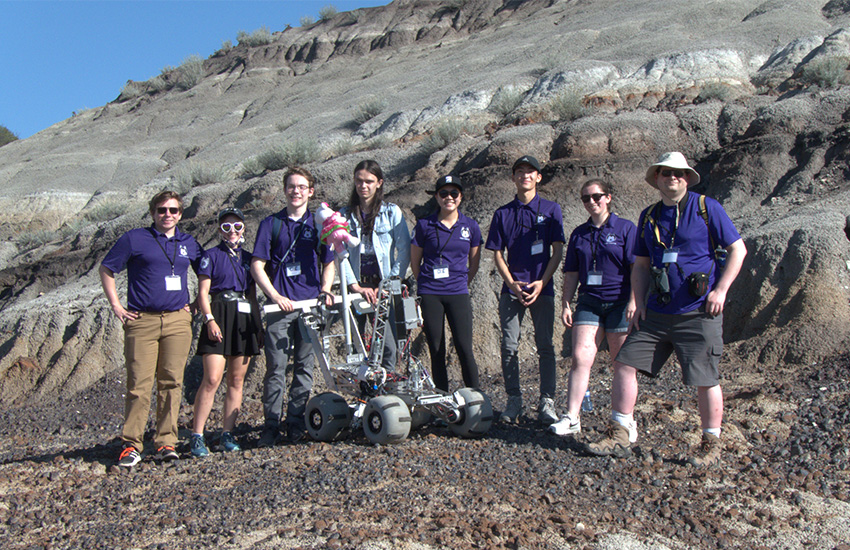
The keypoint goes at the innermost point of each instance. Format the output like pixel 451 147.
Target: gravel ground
pixel 784 483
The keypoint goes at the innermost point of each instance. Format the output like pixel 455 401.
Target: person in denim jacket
pixel 384 249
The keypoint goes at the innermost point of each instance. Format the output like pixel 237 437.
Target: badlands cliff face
pixel 750 91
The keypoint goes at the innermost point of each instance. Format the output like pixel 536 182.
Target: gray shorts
pixel 696 337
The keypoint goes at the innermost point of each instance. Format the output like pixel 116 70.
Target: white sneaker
pixel 567 425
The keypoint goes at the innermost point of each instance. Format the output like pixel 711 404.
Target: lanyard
pixel 655 228
pixel 437 234
pixel 594 243
pixel 534 223
pixel 294 241
pixel 170 260
pixel 236 270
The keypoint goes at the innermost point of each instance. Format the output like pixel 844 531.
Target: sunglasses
pixel 162 210
pixel 454 193
pixel 667 173
pixel 235 226
pixel 595 196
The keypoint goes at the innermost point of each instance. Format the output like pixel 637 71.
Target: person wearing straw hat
pixel 688 254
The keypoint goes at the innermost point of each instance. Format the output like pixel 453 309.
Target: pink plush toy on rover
pixel 333 229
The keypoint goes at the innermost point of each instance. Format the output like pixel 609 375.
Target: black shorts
pixel 242 333
pixel 696 337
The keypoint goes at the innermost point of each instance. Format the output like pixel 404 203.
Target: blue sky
pixel 57 57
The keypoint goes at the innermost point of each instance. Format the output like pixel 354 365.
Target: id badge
pixel 172 283
pixel 594 278
pixel 441 271
pixel 243 306
pixel 537 247
pixel 293 269
pixel 670 256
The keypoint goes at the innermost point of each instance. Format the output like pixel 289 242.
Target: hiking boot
pixel 708 452
pixel 633 433
pixel 546 414
pixel 198 446
pixel 166 453
pixel 512 410
pixel 129 457
pixel 228 442
pixel 268 437
pixel 567 425
pixel 295 434
pixel 615 443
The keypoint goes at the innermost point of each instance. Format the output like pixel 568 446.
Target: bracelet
pixel 209 318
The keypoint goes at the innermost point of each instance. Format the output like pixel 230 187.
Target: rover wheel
pixel 328 416
pixel 476 414
pixel 386 420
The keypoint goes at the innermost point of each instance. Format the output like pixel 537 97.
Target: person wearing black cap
pixel 227 297
pixel 531 229
pixel 444 258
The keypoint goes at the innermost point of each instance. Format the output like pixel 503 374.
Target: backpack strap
pixel 703 211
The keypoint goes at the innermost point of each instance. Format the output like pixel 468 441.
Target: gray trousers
pixel 511 313
pixel 286 336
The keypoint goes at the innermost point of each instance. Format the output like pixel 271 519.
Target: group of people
pixel 649 290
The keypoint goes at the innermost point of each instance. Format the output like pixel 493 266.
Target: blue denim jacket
pixel 390 238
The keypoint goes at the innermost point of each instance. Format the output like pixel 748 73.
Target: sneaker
pixel 546 414
pixel 567 425
pixel 513 409
pixel 166 453
pixel 615 443
pixel 198 446
pixel 129 457
pixel 228 442
pixel 708 453
pixel 268 437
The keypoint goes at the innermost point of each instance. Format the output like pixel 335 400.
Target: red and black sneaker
pixel 166 453
pixel 129 457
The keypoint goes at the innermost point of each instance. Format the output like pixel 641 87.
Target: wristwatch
pixel 209 318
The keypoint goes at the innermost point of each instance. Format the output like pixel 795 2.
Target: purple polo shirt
pixel 148 256
pixel 692 239
pixel 297 250
pixel 516 227
pixel 445 247
pixel 225 271
pixel 608 249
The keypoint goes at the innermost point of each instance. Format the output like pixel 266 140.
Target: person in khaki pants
pixel 157 323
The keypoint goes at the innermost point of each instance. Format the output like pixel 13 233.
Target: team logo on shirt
pixel 184 252
pixel 541 218
pixel 610 238
pixel 308 233
pixel 464 233
pixel 205 262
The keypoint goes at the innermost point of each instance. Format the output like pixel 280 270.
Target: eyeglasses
pixel 667 173
pixel 162 210
pixel 454 193
pixel 235 226
pixel 299 188
pixel 595 196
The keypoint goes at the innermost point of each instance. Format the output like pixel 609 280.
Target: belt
pixel 370 281
pixel 227 296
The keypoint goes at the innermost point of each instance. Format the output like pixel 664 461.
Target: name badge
pixel 670 256
pixel 172 283
pixel 293 269
pixel 537 247
pixel 594 278
pixel 243 306
pixel 441 271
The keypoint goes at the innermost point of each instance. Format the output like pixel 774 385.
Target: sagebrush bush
pixel 444 134
pixel 259 37
pixel 107 210
pixel 718 91
pixel 307 20
pixel 132 90
pixel 327 12
pixel 369 109
pixel 190 72
pixel 567 105
pixel 505 100
pixel 344 146
pixel 29 240
pixel 827 72
pixel 201 174
pixel 292 153
pixel 6 136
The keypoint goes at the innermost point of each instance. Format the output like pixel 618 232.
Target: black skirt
pixel 242 333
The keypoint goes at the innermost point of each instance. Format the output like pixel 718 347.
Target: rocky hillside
pixel 752 91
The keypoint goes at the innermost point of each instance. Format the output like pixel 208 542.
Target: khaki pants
pixel 156 345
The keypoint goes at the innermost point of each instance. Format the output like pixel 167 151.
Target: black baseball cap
pixel 231 211
pixel 526 159
pixel 444 181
